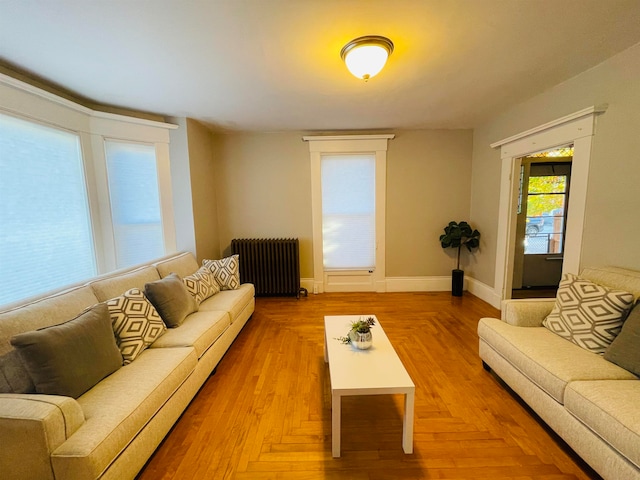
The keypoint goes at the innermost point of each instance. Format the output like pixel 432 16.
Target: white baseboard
pixel 430 284
pixel 484 292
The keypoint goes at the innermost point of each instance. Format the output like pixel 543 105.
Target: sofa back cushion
pixel 70 358
pixel 614 277
pixel 114 285
pixel 183 264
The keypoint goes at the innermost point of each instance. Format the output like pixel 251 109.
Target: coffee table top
pixel 377 370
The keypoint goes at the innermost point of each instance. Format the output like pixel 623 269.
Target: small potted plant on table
pixel 360 333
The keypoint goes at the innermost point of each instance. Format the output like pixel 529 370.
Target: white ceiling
pixel 272 65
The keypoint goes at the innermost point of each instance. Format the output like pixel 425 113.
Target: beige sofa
pixel 110 431
pixel 593 404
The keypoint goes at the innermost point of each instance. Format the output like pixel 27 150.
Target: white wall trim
pixel 484 292
pixel 577 129
pixel 554 123
pixel 52 97
pixel 347 144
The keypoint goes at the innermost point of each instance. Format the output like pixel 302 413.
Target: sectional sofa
pixel 110 430
pixel 590 401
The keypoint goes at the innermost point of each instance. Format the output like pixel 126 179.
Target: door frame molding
pixel 349 144
pixel 578 129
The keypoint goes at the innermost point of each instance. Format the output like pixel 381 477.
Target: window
pixel 348 175
pixel 135 202
pixel 57 223
pixel 45 229
pixel 348 211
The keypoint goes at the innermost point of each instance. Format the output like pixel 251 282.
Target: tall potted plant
pixel 456 235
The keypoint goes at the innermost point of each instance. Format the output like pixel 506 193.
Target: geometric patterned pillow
pixel 201 284
pixel 225 271
pixel 587 314
pixel 136 323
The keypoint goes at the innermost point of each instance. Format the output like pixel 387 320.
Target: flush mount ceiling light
pixel 366 56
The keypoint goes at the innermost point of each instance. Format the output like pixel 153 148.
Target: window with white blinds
pixel 348 211
pixel 135 202
pixel 45 229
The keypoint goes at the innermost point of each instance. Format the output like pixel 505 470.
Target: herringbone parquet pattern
pixel 266 413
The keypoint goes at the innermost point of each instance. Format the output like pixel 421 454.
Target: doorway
pixel 543 203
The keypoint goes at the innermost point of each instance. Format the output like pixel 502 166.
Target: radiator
pixel 272 265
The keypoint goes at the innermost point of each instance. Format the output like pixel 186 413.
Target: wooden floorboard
pixel 266 413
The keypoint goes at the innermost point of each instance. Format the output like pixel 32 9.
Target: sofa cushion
pixel 625 349
pixel 200 330
pixel 588 314
pixel 113 284
pixel 201 284
pixel 610 409
pixel 225 271
pixel 183 264
pixel 171 298
pixel 548 360
pixel 119 407
pixel 232 301
pixel 136 323
pixel 70 358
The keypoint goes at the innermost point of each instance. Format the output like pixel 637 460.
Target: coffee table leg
pixel 336 401
pixel 407 427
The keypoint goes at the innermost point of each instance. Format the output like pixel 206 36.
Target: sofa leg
pixel 485 366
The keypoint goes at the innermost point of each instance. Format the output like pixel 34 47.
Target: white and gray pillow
pixel 588 314
pixel 201 284
pixel 136 323
pixel 226 271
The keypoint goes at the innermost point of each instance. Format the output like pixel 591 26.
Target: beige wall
pixel 264 186
pixel 611 227
pixel 203 191
pixel 428 185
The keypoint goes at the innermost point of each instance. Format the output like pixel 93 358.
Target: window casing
pixel 86 132
pixel 328 279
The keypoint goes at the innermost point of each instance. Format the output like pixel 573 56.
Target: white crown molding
pixel 76 107
pixel 559 121
pixel 316 138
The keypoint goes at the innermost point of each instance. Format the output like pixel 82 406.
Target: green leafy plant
pixel 360 326
pixel 458 234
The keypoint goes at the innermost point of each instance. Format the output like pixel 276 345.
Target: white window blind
pixel 135 202
pixel 348 211
pixel 45 228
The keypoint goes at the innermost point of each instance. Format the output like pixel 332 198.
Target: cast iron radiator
pixel 272 265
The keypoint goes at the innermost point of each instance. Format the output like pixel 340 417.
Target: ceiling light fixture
pixel 366 56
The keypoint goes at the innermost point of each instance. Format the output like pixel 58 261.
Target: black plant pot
pixel 457 282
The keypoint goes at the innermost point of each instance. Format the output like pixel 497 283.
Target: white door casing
pixel 577 129
pixel 348 280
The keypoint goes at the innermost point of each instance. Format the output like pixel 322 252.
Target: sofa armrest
pixel 31 428
pixel 526 312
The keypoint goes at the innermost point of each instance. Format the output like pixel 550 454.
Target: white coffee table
pixel 376 371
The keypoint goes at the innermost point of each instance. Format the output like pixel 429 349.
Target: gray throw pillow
pixel 70 358
pixel 171 298
pixel 624 351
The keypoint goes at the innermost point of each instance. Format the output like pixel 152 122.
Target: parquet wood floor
pixel 266 413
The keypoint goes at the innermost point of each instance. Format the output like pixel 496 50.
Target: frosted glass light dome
pixel 366 56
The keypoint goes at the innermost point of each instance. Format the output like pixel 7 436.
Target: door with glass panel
pixel 542 220
pixel 349 221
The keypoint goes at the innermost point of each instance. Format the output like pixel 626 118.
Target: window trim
pixel 349 144
pixel 27 102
